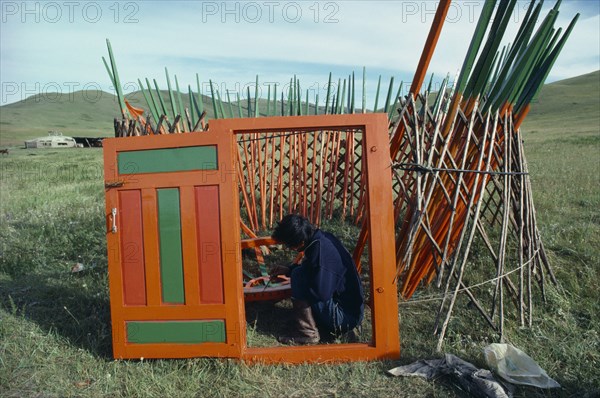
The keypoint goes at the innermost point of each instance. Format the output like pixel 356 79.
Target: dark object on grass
pixel 478 382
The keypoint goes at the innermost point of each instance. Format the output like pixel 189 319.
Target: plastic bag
pixel 516 367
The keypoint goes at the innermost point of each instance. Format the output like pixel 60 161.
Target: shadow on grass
pixel 579 389
pixel 265 321
pixel 73 307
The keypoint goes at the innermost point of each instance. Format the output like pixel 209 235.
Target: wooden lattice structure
pixel 310 174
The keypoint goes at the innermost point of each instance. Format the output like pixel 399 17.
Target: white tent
pixel 53 140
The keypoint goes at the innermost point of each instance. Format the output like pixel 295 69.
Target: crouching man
pixel 327 294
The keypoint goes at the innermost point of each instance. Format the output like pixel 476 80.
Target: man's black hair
pixel 293 230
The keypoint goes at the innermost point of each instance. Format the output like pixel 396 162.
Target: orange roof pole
pixel 428 49
pixel 521 116
pixel 426 55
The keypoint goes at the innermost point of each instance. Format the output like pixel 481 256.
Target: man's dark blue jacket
pixel 333 274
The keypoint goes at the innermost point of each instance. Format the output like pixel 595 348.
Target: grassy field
pixel 55 336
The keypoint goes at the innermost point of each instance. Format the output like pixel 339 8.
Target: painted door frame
pixel 385 342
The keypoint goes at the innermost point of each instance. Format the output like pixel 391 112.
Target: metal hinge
pixel 114 184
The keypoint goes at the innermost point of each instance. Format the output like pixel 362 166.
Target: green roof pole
pixel 152 110
pixel 230 105
pixel 110 74
pixel 306 112
pixel 200 99
pixel 364 91
pixel 275 99
pixel 171 96
pixel 429 85
pixel 339 88
pixel 293 97
pixel 441 93
pixel 298 98
pixel 516 52
pixel 328 94
pixel 192 108
pixel 195 106
pixel 239 104
pixel 341 105
pixel 499 61
pixel 290 98
pixel 523 65
pixel 481 72
pixel 256 111
pixel 179 100
pixel 249 101
pixel 353 95
pixel 482 24
pixel 116 80
pixel 160 99
pixel 268 100
pixel 391 110
pixel 220 103
pixel 214 102
pixel 377 94
pixel 334 105
pixel 154 103
pixel 543 73
pixel 389 95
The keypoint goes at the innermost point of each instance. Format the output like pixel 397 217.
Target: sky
pixel 57 46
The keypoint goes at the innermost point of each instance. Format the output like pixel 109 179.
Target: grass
pixel 55 336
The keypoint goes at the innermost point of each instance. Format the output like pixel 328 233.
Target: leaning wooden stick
pixel 243 188
pixel 272 184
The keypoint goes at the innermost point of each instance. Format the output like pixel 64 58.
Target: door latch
pixel 114 220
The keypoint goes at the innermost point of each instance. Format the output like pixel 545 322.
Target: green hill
pixel 90 113
pixel 83 113
pixel 563 105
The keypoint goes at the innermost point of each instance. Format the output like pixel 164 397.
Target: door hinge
pixel 114 184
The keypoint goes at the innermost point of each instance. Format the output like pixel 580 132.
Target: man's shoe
pixel 305 329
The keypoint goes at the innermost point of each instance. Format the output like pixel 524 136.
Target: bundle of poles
pixel 463 158
pixel 448 198
pixel 460 173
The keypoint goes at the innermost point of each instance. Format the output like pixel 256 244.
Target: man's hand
pixel 280 270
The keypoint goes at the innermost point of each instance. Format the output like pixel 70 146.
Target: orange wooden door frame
pixel 385 342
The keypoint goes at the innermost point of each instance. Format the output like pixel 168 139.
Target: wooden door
pixel 173 246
